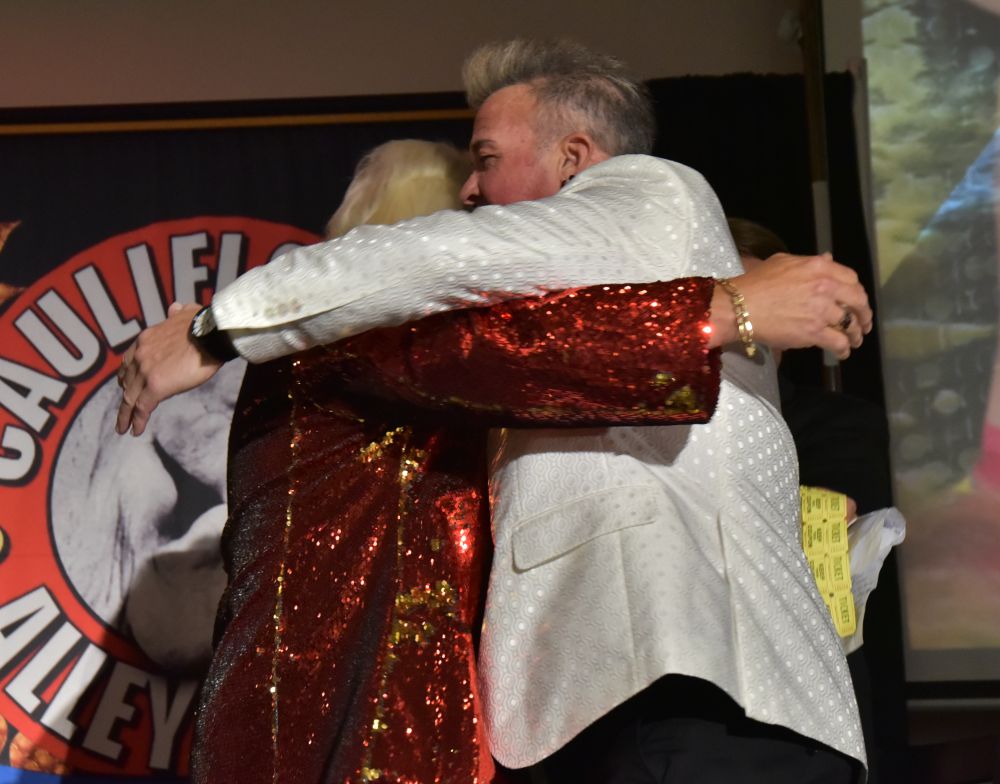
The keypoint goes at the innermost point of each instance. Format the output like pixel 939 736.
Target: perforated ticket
pixel 824 539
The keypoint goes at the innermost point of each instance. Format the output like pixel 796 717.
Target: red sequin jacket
pixel 358 537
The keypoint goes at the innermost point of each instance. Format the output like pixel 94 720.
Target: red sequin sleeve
pixel 617 354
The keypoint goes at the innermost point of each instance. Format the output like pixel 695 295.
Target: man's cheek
pixel 508 189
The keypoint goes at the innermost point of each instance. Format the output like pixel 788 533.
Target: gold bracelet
pixel 743 324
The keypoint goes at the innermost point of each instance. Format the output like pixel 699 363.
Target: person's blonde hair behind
pixel 399 180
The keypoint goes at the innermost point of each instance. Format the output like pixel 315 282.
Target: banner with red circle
pixel 109 558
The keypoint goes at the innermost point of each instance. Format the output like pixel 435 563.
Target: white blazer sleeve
pixel 386 275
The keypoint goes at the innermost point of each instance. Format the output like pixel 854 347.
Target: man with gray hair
pixel 633 565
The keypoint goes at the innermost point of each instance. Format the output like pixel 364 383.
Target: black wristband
pixel 209 338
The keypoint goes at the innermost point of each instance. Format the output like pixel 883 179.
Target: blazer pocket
pixel 555 532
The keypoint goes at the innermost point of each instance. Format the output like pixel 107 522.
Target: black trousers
pixel 687 731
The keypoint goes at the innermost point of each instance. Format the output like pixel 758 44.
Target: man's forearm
pixel 592 232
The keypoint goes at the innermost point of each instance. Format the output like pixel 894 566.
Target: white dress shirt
pixel 622 554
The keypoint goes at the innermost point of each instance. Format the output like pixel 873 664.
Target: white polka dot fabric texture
pixel 622 554
pixel 625 554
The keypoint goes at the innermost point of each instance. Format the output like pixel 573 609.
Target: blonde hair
pixel 399 180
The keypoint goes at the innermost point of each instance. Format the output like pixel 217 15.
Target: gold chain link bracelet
pixel 743 324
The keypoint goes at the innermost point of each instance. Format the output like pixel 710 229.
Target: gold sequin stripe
pixel 409 465
pixel 293 446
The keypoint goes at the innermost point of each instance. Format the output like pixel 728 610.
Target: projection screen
pixel 933 98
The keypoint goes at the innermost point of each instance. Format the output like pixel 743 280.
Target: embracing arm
pixel 627 219
pixel 621 354
pixel 792 301
pixel 378 276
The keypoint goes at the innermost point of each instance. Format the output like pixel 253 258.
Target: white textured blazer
pixel 622 554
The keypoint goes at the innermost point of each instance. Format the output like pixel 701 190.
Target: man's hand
pixel 162 362
pixel 798 302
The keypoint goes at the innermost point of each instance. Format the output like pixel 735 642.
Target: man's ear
pixel 577 152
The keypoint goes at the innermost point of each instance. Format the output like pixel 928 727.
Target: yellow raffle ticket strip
pixel 824 539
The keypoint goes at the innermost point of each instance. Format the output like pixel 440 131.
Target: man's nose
pixel 470 191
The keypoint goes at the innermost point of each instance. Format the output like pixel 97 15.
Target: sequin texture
pixel 358 536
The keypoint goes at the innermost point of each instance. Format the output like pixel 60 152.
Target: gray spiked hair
pixel 573 86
